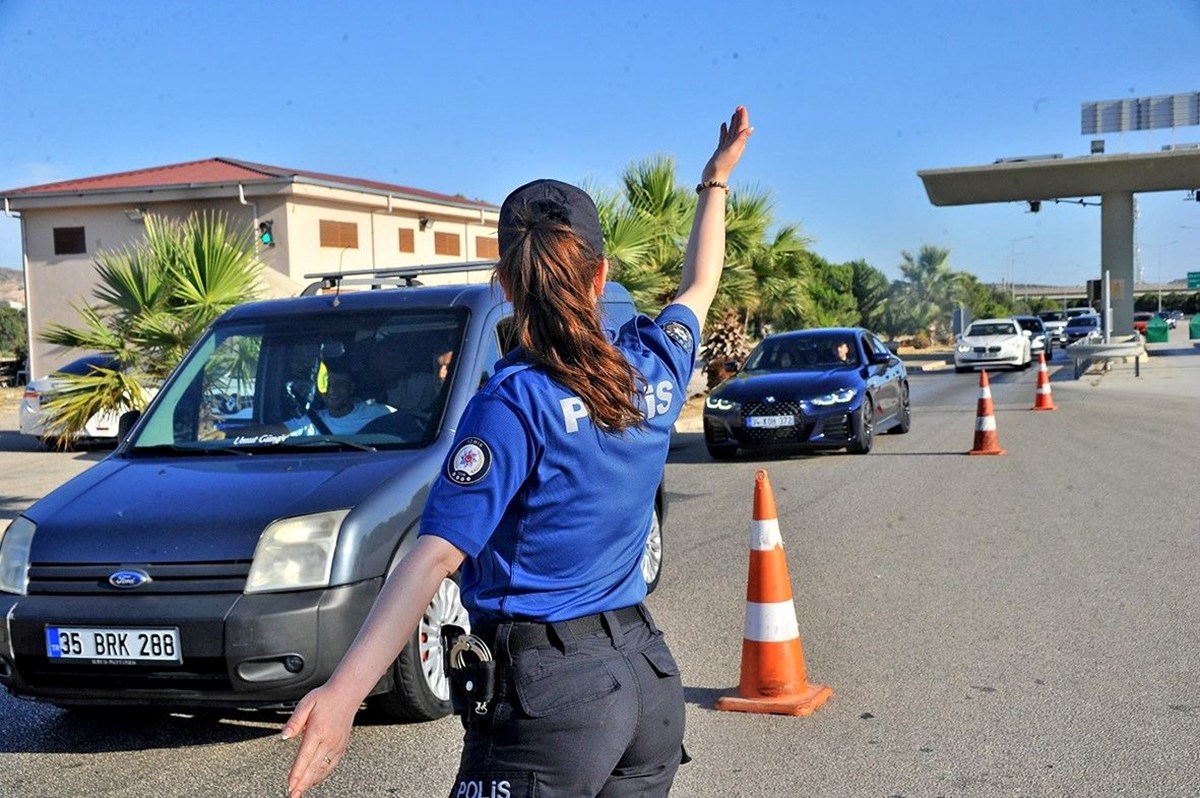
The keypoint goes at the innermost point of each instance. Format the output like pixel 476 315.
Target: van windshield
pixel 364 379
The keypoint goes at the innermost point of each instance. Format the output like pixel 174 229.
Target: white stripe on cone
pixel 985 392
pixel 764 534
pixel 985 424
pixel 1043 389
pixel 771 623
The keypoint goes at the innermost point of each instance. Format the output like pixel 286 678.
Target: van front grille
pixel 165 579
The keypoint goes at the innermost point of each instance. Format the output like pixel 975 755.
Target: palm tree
pixel 645 230
pixel 932 287
pixel 156 299
pixel 765 277
pixel 646 226
pixel 871 289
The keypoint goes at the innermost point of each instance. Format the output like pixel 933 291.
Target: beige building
pixel 319 223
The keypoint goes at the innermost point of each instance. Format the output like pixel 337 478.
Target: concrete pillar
pixel 1116 256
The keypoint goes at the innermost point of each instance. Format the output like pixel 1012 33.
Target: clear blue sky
pixel 848 101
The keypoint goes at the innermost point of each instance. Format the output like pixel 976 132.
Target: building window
pixel 342 235
pixel 447 244
pixel 408 240
pixel 69 241
pixel 487 248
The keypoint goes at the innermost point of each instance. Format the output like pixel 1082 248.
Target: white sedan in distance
pixel 100 427
pixel 992 342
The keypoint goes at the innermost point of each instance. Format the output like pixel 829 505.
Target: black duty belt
pixel 532 634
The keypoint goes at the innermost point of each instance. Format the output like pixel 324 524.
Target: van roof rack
pixel 390 276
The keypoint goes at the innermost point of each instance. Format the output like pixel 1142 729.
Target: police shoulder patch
pixel 679 333
pixel 471 461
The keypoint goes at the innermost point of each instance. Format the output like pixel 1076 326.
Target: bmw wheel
pixel 420 690
pixel 866 429
pixel 719 452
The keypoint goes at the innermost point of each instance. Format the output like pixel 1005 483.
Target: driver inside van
pixel 342 413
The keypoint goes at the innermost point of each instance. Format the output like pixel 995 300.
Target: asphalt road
pixel 1025 625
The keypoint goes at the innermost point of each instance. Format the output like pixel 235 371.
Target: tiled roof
pixel 217 171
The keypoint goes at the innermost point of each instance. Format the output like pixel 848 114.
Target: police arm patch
pixel 679 333
pixel 471 461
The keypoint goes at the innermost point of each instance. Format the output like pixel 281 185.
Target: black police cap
pixel 550 200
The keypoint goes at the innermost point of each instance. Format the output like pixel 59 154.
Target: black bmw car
pixel 826 388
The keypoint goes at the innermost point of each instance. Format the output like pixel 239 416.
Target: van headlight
pixel 296 553
pixel 15 542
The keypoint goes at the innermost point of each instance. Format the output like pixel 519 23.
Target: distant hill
pixel 12 286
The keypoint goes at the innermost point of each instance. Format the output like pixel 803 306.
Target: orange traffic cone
pixel 773 676
pixel 986 440
pixel 1045 399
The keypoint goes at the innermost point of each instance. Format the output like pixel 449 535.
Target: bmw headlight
pixel 963 347
pixel 15 542
pixel 839 397
pixel 721 404
pixel 296 553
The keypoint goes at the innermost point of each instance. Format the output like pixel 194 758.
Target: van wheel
pixel 652 553
pixel 420 690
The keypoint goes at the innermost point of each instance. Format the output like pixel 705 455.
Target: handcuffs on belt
pixel 471 671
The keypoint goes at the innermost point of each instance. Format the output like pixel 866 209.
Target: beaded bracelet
pixel 711 184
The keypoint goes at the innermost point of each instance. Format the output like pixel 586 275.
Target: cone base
pixel 1051 407
pixel 799 705
pixel 987 451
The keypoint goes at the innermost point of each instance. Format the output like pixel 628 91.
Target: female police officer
pixel 544 502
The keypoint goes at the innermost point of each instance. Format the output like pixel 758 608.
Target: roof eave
pixel 1086 176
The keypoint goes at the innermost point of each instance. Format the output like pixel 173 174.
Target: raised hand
pixel 730 146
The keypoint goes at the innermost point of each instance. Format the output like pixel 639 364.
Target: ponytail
pixel 548 271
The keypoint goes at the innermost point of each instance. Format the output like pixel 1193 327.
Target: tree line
pixel 154 299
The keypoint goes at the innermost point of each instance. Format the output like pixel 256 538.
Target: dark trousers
pixel 598 714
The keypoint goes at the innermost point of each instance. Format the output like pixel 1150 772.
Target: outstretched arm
pixel 326 715
pixel 705 258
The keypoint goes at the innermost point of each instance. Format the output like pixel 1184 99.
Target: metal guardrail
pixel 1086 351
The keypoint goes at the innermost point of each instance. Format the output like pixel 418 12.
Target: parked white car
pixel 101 427
pixel 993 342
pixel 1055 322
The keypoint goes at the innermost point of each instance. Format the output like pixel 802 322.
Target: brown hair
pixel 548 273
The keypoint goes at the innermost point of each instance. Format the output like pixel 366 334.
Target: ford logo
pixel 127 580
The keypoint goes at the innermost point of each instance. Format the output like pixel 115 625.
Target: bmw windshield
pixel 803 353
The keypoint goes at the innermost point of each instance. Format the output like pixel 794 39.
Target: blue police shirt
pixel 551 511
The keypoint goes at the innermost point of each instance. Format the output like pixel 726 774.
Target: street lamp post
pixel 1012 271
pixel 1160 248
